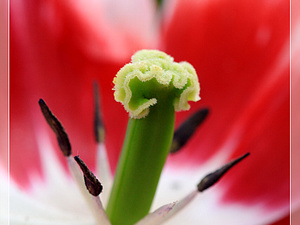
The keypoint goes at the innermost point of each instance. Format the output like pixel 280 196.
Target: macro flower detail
pixel 95 188
pixel 240 50
pixel 157 69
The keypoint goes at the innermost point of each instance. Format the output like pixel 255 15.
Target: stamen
pixel 103 171
pixel 100 212
pixel 157 216
pixel 187 129
pixel 95 188
pixel 205 183
pixel 212 178
pixel 91 182
pixel 93 202
pixel 178 206
pixel 98 122
pixel 61 135
pixel 103 167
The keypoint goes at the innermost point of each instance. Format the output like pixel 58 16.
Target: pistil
pixel 151 88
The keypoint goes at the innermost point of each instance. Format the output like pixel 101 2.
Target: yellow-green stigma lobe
pixel 150 73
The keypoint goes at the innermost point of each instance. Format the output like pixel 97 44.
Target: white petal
pixel 27 209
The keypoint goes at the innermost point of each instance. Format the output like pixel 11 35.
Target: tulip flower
pixel 240 51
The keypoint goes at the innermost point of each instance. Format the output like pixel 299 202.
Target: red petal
pixel 56 68
pixel 264 131
pixel 57 49
pixel 284 221
pixel 232 45
pixel 240 52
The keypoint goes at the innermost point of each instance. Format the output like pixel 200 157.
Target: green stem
pixel 147 144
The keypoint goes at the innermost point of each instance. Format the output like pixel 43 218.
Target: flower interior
pixel 151 88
